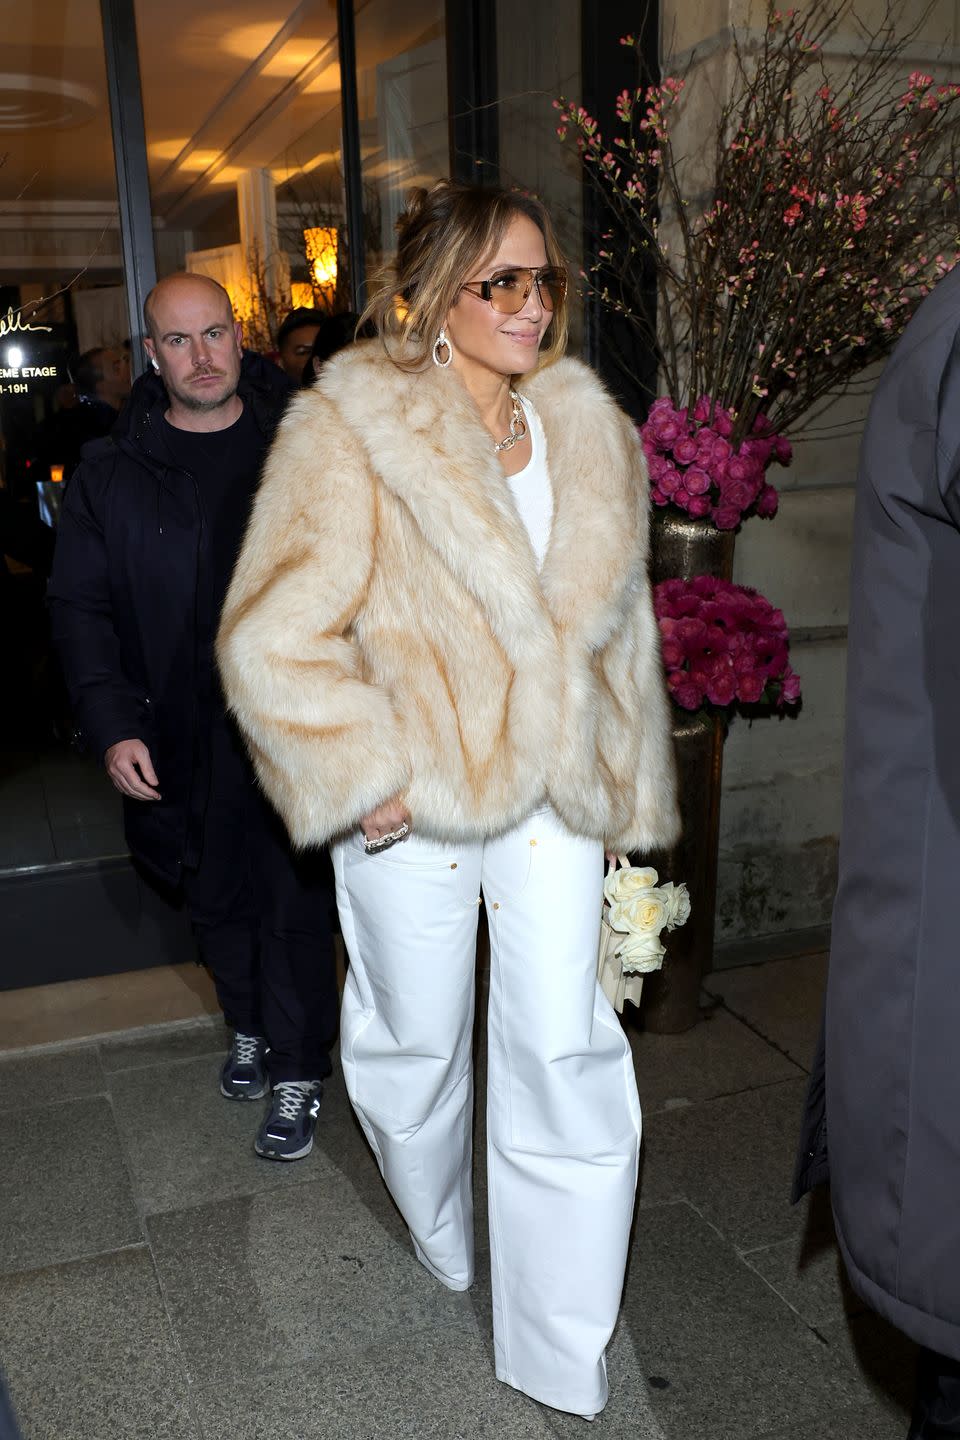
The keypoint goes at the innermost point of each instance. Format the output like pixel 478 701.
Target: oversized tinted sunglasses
pixel 508 290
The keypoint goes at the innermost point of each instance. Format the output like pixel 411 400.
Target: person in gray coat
pixel 883 1118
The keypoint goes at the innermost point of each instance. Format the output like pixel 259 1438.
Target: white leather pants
pixel 563 1117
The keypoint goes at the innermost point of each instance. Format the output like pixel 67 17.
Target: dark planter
pixel 680 548
pixel 671 996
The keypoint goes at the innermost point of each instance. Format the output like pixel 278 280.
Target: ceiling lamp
pixel 320 247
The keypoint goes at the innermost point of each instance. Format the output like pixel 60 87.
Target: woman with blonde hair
pixel 440 645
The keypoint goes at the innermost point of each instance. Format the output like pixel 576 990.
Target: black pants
pixel 936 1412
pixel 261 916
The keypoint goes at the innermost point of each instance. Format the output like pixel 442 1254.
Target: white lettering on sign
pixel 11 374
pixel 37 372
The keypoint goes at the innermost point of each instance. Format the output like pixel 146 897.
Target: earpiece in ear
pixel 153 362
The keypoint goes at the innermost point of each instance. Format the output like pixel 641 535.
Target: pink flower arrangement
pixel 723 643
pixel 694 465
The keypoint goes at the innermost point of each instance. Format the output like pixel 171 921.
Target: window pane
pixel 402 83
pixel 536 63
pixel 242 110
pixel 64 373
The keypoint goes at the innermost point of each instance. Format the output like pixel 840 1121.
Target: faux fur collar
pixel 429 447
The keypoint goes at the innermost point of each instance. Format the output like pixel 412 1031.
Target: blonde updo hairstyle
pixel 444 234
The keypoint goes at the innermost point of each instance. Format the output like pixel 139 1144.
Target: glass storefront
pixel 64 362
pixel 242 116
pixel 402 99
pixel 247 153
pixel 64 333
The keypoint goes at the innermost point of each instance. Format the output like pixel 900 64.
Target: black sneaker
pixel 244 1073
pixel 287 1132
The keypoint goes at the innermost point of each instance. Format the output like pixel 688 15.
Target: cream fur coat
pixel 387 633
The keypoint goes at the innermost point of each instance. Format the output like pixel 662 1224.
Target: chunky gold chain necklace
pixel 518 426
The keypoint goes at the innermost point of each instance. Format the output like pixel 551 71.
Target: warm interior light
pixel 56 474
pixel 291 58
pixel 320 244
pixel 167 149
pixel 301 293
pixel 246 42
pixel 326 83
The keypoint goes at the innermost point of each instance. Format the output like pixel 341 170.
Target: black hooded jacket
pixel 127 599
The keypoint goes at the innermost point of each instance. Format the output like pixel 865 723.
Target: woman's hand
pixel 611 856
pixel 385 819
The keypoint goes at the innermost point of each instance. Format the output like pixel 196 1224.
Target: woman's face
pixel 482 337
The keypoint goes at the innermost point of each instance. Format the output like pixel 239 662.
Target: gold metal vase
pixel 680 548
pixel 671 996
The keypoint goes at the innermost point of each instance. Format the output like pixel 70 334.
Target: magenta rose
pixel 790 690
pixel 696 480
pixel 669 480
pixel 685 451
pixel 750 688
pixel 665 432
pixel 721 688
pixel 726 517
pixel 768 502
pixel 783 450
pixel 686 692
pixel 699 506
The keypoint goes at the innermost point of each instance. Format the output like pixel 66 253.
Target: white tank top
pixel 531 488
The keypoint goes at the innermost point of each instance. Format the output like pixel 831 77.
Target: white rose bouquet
pixel 636 911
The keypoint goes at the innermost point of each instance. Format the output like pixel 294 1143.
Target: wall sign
pixel 15 376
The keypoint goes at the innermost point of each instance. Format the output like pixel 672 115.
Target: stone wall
pixel 781 790
pixel 781 787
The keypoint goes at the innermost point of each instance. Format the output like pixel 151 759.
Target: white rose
pixel 677 898
pixel 644 914
pixel 639 954
pixel 624 883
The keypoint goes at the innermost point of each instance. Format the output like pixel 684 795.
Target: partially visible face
pixel 196 343
pixel 295 350
pixel 480 335
pixel 119 373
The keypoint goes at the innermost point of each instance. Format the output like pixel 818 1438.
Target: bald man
pixel 149 533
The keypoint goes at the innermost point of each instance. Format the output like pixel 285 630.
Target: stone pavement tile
pixel 163 1046
pixel 44 1076
pixel 720 1056
pixel 806 1271
pixel 187 1144
pixel 781 999
pixel 430 1386
pixel 299 1277
pixel 721 1356
pixel 880 1359
pixel 627 1414
pixel 732 1159
pixel 64 1187
pixel 863 1422
pixel 89 1354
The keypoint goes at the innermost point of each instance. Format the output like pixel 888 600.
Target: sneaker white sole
pixel 243 1094
pixel 274 1155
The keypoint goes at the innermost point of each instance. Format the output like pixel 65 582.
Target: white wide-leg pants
pixel 563 1117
